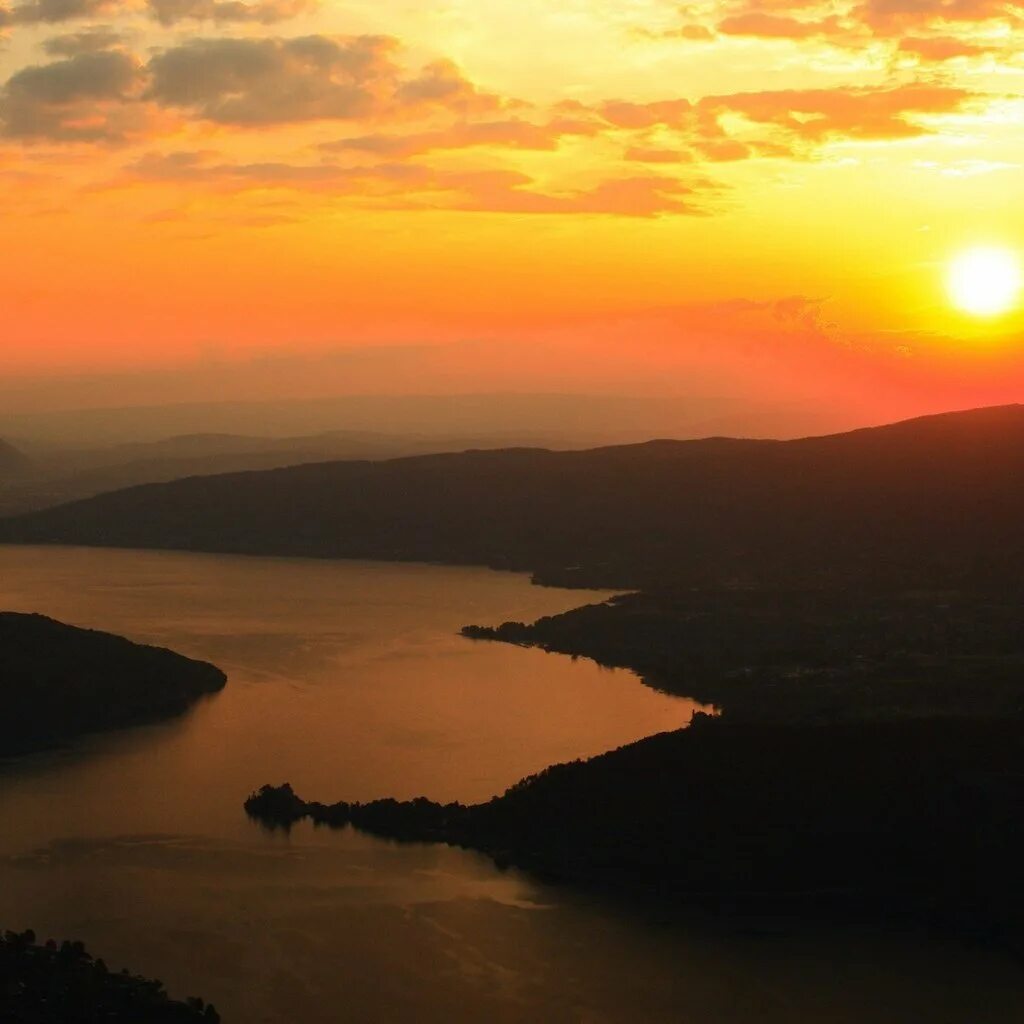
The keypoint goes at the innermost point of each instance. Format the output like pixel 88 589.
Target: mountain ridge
pixel 932 498
pixel 13 462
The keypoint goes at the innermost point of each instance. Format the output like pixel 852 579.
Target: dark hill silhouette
pixel 60 475
pixel 932 499
pixel 825 654
pixel 59 681
pixel 916 816
pixel 47 983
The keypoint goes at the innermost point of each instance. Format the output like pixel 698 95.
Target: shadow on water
pixel 68 754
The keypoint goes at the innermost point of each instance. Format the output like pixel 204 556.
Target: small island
pixel 56 984
pixel 58 682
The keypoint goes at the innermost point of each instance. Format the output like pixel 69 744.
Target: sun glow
pixel 985 280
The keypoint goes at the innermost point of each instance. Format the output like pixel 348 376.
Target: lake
pixel 350 681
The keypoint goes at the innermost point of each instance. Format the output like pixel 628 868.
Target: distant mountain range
pixel 13 463
pixel 932 499
pixel 562 420
pixel 55 475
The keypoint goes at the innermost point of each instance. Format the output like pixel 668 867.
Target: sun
pixel 985 280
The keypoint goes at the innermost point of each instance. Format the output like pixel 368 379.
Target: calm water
pixel 350 681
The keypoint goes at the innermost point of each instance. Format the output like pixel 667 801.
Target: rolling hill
pixel 935 499
pixel 63 474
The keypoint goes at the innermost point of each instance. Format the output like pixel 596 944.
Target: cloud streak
pixel 940 30
pixel 260 12
pixel 405 186
pixel 51 12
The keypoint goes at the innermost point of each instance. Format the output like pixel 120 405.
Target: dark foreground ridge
pixel 59 681
pixel 51 984
pixel 920 816
pixel 934 500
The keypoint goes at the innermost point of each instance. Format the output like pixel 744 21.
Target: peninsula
pixel 918 816
pixel 58 682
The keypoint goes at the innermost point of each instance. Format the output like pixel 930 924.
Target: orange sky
pixel 746 198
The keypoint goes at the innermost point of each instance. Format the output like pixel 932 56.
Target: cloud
pixel 856 24
pixel 777 123
pixel 724 150
pixel 388 180
pixel 92 40
pixel 407 186
pixel 940 48
pixel 896 16
pixel 167 12
pixel 106 75
pixel 209 166
pixel 77 99
pixel 245 81
pixel 636 196
pixel 263 12
pixel 694 33
pixel 97 91
pixel 36 12
pixel 623 114
pixel 657 155
pixel 776 26
pixel 817 115
pixel 256 82
pixel 272 81
pixel 442 84
pixel 510 133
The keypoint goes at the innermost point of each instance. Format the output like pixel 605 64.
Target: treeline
pixel 805 655
pixel 60 681
pixel 47 983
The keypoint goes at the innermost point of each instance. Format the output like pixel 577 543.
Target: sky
pixel 751 200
